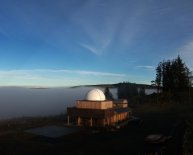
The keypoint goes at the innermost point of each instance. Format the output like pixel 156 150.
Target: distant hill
pixel 146 86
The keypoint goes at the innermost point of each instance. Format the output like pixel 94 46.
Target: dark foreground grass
pixel 188 139
pixel 129 140
pixel 180 112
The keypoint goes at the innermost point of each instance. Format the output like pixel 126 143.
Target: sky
pixel 79 42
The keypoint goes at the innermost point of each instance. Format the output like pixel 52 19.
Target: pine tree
pixel 158 75
pixel 181 77
pixel 172 75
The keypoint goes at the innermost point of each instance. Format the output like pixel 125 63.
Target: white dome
pixel 95 95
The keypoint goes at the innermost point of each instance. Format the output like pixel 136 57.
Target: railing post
pixel 68 119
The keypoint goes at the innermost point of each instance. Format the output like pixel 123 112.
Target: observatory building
pixel 96 111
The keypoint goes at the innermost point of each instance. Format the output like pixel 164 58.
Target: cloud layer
pixel 51 77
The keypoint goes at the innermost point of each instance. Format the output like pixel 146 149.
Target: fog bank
pixel 18 102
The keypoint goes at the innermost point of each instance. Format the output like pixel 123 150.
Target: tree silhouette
pixel 158 79
pixel 172 77
pixel 108 94
pixel 129 91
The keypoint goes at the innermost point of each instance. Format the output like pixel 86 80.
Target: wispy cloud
pixel 98 73
pixel 146 67
pixel 112 22
pixel 98 47
pixel 30 73
pixel 52 77
pixel 186 52
pixel 187 49
pixel 90 48
pixel 99 27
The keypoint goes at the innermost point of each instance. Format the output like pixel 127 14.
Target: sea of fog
pixel 26 102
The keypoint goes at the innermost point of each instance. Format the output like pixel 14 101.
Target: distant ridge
pixel 116 85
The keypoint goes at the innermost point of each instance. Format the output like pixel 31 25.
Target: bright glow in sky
pixel 77 42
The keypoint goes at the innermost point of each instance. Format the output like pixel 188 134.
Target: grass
pixel 188 139
pixel 182 110
pixel 178 111
pixel 158 118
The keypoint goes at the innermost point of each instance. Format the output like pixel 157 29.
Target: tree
pixel 181 78
pixel 108 94
pixel 172 75
pixel 158 76
pixel 129 91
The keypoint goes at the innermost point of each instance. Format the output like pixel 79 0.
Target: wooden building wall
pixel 94 104
pixel 97 117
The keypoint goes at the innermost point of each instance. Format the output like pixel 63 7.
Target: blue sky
pixel 77 42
